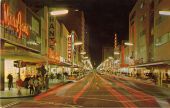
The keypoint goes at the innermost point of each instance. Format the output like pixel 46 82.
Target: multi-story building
pixel 75 21
pixel 162 40
pixel 149 33
pixel 140 30
pixel 107 52
pixel 22 45
pixel 37 39
pixel 161 31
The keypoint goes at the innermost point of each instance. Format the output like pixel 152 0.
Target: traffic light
pixel 19 64
pixel 16 63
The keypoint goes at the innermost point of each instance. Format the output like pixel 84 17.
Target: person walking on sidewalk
pixel 46 82
pixel 10 81
pixel 19 84
pixel 36 85
pixel 31 85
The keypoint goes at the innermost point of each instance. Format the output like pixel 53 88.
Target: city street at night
pixel 101 91
pixel 84 53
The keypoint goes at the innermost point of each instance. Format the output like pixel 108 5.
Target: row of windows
pixel 142 33
pixel 162 39
pixel 159 20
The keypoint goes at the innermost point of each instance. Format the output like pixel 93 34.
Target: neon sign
pixel 14 21
pixel 69 47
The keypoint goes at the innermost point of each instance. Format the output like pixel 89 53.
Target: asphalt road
pixel 100 91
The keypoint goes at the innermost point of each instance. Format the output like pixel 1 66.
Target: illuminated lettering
pixel 15 21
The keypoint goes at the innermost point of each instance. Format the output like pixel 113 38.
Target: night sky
pixel 103 18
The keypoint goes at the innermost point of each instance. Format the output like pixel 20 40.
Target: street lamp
pixel 83 53
pixel 116 53
pixel 128 44
pixel 78 43
pixel 164 13
pixel 59 12
pixel 85 57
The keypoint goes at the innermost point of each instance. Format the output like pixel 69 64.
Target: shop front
pixel 158 72
pixel 20 40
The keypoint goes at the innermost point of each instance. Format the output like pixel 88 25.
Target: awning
pixel 159 63
pixel 24 55
pixel 64 64
pixel 58 63
pixel 75 66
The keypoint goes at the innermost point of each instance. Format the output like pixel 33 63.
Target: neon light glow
pixel 69 47
pixel 128 44
pixel 116 53
pixel 83 52
pixel 59 12
pixel 15 21
pixel 78 43
pixel 164 12
pixel 115 41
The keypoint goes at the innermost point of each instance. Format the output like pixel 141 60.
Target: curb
pixel 17 97
pixel 60 84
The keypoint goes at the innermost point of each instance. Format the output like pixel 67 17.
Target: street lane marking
pixel 82 97
pixel 121 97
pixel 10 104
pixel 75 98
pixel 138 94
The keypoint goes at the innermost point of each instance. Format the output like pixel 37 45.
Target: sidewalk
pixel 13 93
pixel 139 80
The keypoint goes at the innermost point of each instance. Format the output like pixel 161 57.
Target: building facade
pixel 21 39
pixel 29 40
pixel 149 33
pixel 141 24
pixel 107 52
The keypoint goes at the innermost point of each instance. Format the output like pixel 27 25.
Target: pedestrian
pixel 10 81
pixel 52 76
pixel 167 76
pixel 154 77
pixel 19 84
pixel 36 85
pixel 26 80
pixel 46 82
pixel 40 83
pixel 31 85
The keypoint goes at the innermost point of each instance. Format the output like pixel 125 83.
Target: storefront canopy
pixel 160 63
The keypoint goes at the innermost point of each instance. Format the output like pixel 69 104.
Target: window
pixel 142 33
pixel 162 39
pixel 160 19
pixel 141 6
pixel 141 18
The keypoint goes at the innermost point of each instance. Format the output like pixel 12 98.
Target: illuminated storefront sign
pixel 53 55
pixel 14 21
pixel 52 32
pixel 69 47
